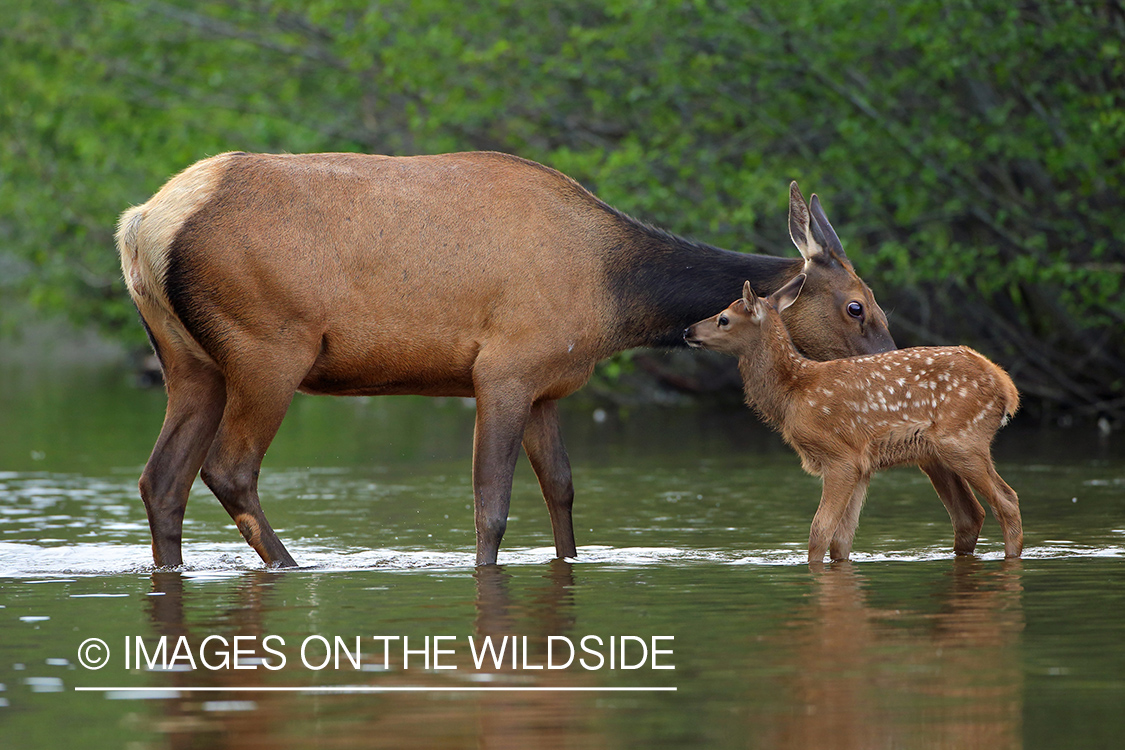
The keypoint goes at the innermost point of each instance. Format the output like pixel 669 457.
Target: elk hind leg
pixel 542 441
pixel 965 512
pixel 253 413
pixel 196 397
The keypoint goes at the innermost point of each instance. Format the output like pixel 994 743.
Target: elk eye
pixel 724 321
pixel 855 309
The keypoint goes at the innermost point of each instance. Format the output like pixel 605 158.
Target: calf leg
pixel 841 546
pixel 964 510
pixel 839 486
pixel 1003 500
pixel 542 440
pixel 196 396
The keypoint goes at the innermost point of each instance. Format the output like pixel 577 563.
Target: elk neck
pixel 662 283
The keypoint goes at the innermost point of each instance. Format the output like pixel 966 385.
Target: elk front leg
pixel 502 413
pixel 542 440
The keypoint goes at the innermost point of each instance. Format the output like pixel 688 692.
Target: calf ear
pixel 784 297
pixel 752 304
pixel 749 298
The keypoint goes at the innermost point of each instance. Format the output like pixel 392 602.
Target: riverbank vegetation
pixel 968 153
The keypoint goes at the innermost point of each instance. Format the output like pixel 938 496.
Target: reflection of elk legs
pixel 546 608
pixel 183 719
pixel 832 680
pixel 551 610
pixel 494 601
pixel 964 686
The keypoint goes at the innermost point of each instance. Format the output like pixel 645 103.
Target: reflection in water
pixel 692 527
pixel 550 609
pixel 283 719
pixel 531 720
pixel 849 665
pixel 221 720
pixel 870 676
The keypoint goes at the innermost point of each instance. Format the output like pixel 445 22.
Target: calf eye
pixel 855 309
pixel 724 321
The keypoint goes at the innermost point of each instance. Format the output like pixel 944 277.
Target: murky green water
pixel 691 526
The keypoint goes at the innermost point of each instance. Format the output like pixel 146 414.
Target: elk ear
pixel 822 231
pixel 784 297
pixel 800 230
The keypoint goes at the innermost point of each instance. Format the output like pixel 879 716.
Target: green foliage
pixel 968 151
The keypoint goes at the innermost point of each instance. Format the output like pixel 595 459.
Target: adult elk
pixel 473 274
pixel 938 407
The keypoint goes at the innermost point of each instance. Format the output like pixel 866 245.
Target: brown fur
pixel 478 275
pixel 936 407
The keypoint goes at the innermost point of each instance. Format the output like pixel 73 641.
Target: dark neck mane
pixel 663 283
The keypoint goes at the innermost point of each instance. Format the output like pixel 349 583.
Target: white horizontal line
pixel 384 689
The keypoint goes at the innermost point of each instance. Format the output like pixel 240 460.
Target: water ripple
pixel 25 560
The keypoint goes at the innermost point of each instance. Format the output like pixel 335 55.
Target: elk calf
pixel 936 407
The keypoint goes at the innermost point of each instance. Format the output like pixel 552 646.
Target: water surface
pixel 691 525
